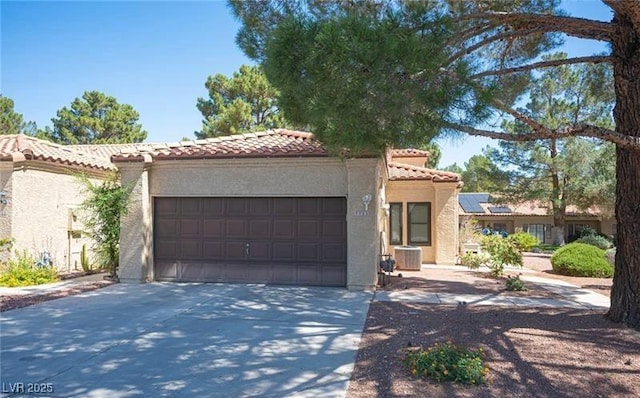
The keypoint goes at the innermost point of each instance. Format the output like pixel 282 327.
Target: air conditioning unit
pixel 408 258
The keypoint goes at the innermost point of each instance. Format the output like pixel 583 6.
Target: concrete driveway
pixel 185 340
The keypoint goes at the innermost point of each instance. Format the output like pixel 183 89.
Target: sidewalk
pixel 572 296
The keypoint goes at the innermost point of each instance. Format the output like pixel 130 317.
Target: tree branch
pixel 595 59
pixel 577 27
pixel 491 39
pixel 583 130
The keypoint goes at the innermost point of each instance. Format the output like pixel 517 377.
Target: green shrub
pixel 22 271
pixel 515 284
pixel 524 241
pixel 473 260
pixel 448 362
pixel 580 259
pixel 502 251
pixel 596 240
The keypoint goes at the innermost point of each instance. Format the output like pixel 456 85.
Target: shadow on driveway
pixel 166 339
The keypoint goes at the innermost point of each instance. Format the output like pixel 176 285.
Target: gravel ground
pixel 532 352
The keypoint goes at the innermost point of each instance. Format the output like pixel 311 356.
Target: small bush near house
pixel 580 259
pixel 502 251
pixel 515 284
pixel 524 241
pixel 448 362
pixel 596 240
pixel 22 271
pixel 473 260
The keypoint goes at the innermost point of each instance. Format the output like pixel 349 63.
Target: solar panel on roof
pixel 499 209
pixel 470 202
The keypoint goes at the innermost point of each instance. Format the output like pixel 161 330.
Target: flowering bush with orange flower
pixel 447 361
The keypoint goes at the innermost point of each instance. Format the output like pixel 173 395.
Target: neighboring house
pixel 269 207
pixel 532 217
pixel 40 194
pixel 275 207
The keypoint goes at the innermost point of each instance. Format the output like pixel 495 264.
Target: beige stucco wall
pixel 252 177
pixel 444 216
pixel 40 198
pixel 446 227
pixel 419 161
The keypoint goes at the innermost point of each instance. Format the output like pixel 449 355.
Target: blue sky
pixel 153 55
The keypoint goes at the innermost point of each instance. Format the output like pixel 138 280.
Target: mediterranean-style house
pixel 268 207
pixel 532 217
pixel 39 197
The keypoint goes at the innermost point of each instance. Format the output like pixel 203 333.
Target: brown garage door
pixel 300 241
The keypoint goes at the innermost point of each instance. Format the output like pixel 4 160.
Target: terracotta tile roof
pixel 105 151
pixel 272 143
pixel 406 172
pixel 409 153
pixel 19 147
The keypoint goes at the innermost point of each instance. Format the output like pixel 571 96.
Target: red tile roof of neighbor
pixel 406 172
pixel 20 147
pixel 409 153
pixel 272 143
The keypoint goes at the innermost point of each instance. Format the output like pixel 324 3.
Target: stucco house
pixel 532 217
pixel 40 194
pixel 276 207
pixel 268 207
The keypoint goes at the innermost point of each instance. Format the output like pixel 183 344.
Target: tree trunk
pixel 625 293
pixel 557 233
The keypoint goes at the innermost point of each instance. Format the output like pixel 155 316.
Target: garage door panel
pixel 284 273
pixel 290 240
pixel 166 249
pixel 309 274
pixel 166 206
pixel 235 250
pixel 190 206
pixel 213 207
pixel 334 252
pixel 334 229
pixel 237 207
pixel 259 229
pixel 213 250
pixel 190 249
pixel 284 228
pixel 334 275
pixel 308 228
pixel 259 273
pixel 307 251
pixel 259 251
pixel 213 228
pixel 284 207
pixel 167 227
pixel 283 251
pixel 334 207
pixel 190 228
pixel 236 228
pixel 259 206
pixel 165 270
pixel 309 207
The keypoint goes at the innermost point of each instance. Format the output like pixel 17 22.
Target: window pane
pixel 419 223
pixel 395 220
pixel 420 233
pixel 418 212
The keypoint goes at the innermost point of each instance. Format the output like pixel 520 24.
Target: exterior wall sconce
pixel 366 200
